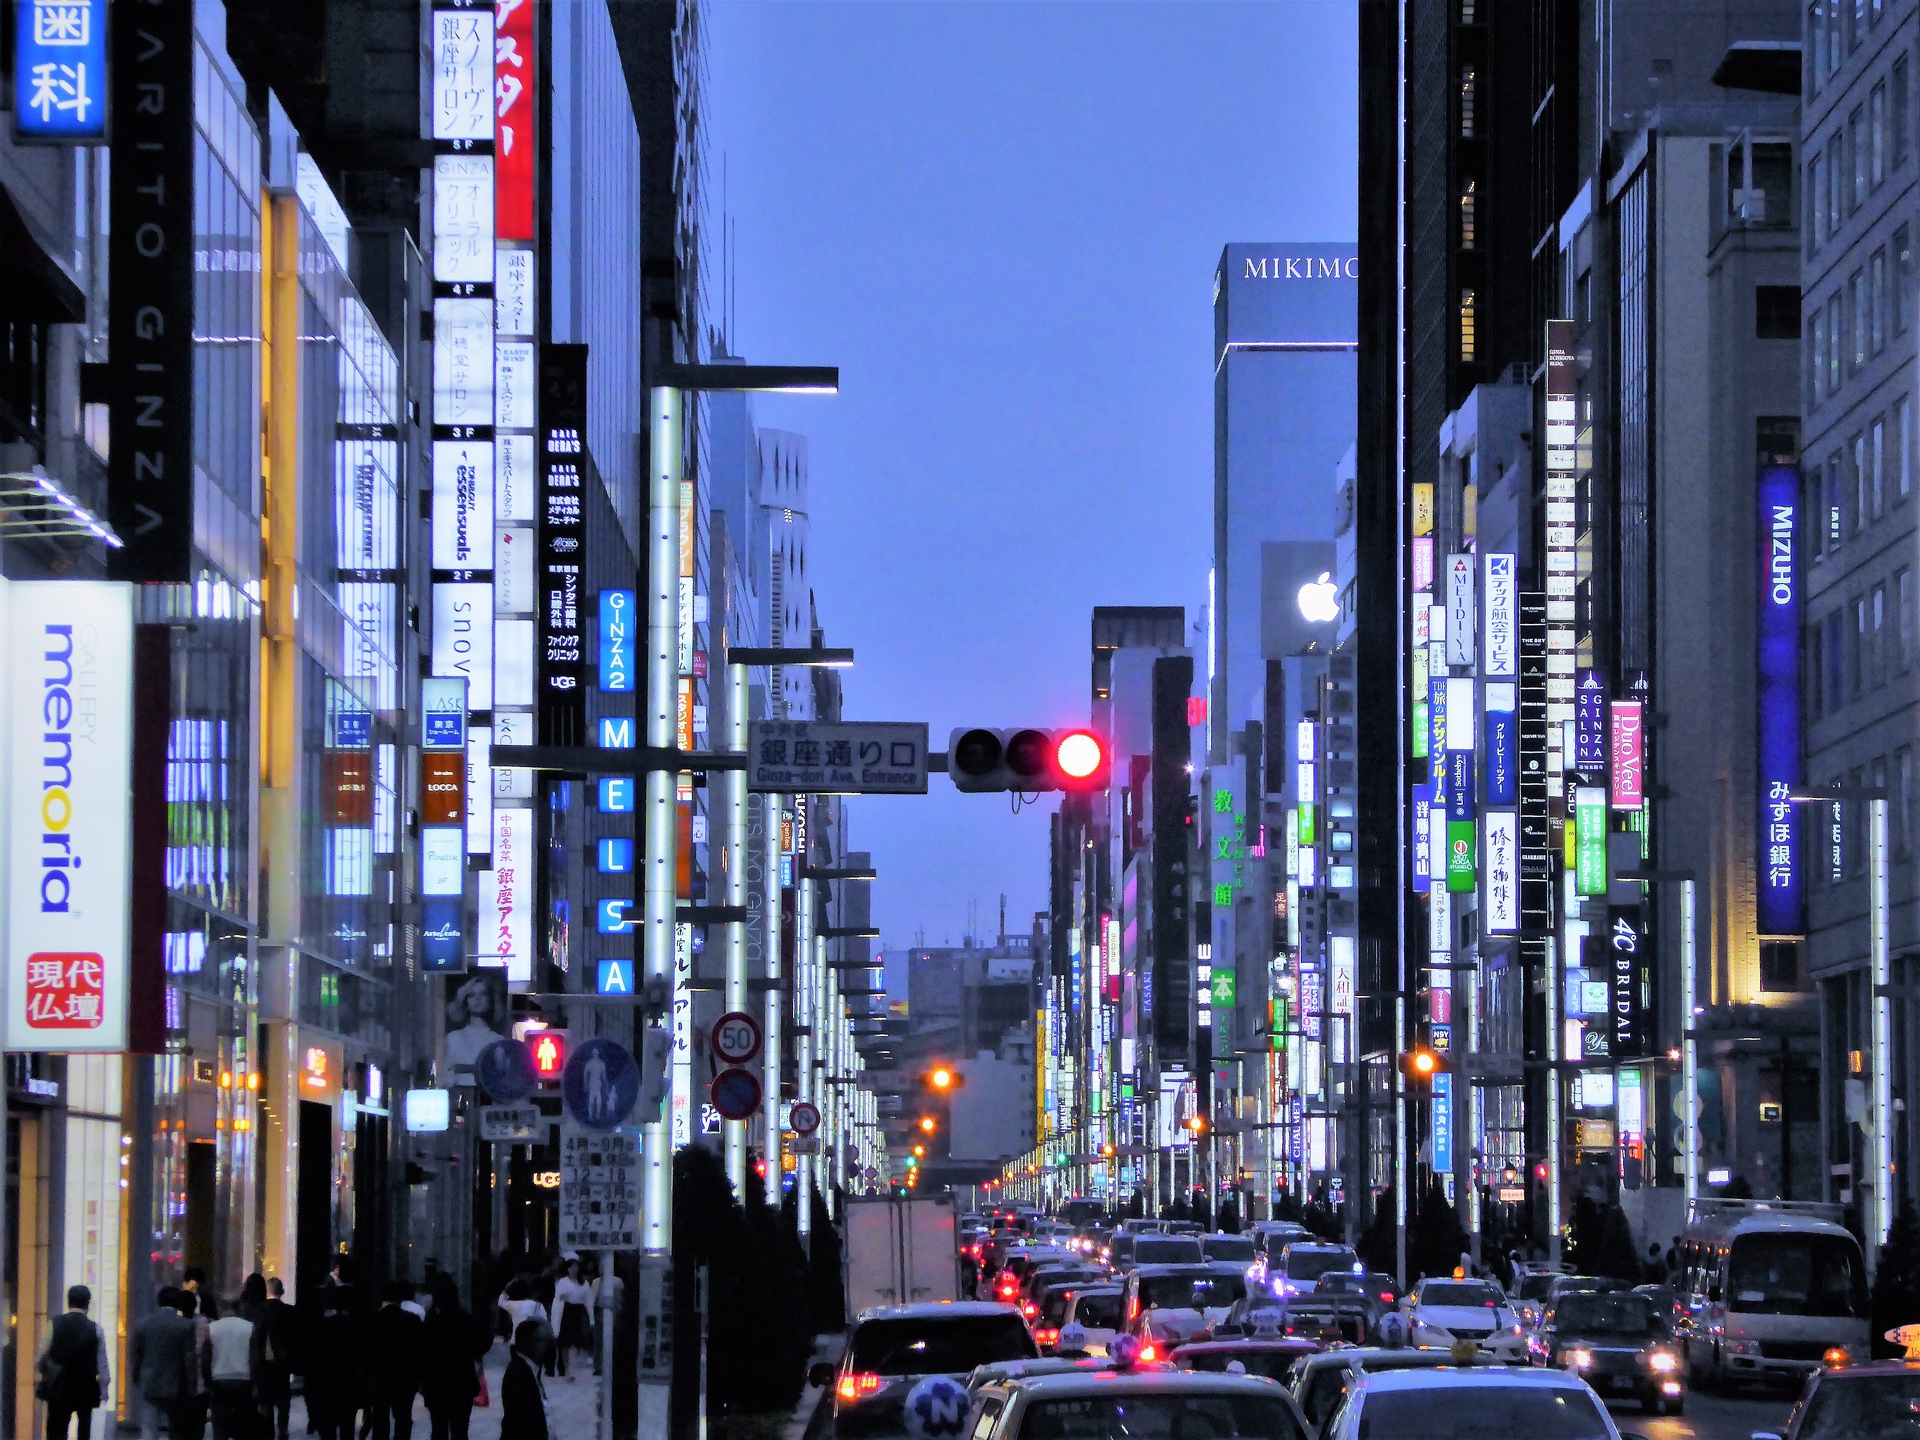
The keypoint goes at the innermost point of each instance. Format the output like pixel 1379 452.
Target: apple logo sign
pixel 1319 601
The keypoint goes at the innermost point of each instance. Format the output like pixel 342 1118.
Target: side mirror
pixel 820 1375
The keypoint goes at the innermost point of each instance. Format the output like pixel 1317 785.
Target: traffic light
pixel 943 1079
pixel 1421 1065
pixel 1028 760
pixel 928 1124
pixel 547 1049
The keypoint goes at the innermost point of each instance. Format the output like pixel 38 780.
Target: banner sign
pixel 1460 609
pixel 1503 872
pixel 1626 982
pixel 514 91
pixel 619 610
pixel 561 636
pixel 1590 840
pixel 60 72
pixel 1422 861
pixel 1502 747
pixel 1590 724
pixel 1625 741
pixel 1500 614
pixel 1782 898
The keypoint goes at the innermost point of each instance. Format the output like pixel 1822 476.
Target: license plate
pixel 1620 1382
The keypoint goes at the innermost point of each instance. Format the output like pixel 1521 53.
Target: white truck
pixel 900 1250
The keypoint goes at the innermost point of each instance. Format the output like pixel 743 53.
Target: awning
pixel 33 287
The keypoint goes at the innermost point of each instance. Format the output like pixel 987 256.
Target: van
pixel 1768 1290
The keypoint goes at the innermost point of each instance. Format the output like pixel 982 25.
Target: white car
pixel 1441 1312
pixel 1096 1310
pixel 1166 1304
pixel 1303 1262
pixel 1469 1403
pixel 1182 1403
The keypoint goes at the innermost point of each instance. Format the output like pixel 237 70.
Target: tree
pixel 1435 1239
pixel 1379 1245
pixel 1896 1282
pixel 1202 1212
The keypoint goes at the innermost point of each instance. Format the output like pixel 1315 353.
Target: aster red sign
pixel 513 97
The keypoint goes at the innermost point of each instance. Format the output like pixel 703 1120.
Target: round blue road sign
pixel 504 1070
pixel 736 1094
pixel 600 1085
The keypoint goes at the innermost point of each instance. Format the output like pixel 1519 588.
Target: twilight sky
pixel 1001 221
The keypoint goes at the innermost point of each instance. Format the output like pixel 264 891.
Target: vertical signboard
pixel 1503 872
pixel 1627 951
pixel 1460 609
pixel 1461 806
pixel 1442 1123
pixel 1625 744
pixel 506 897
pixel 514 93
pixel 69 814
pixel 60 72
pixel 1536 874
pixel 1590 839
pixel 618 632
pixel 1422 858
pixel 1781 901
pixel 1502 778
pixel 1590 724
pixel 560 623
pixel 1499 602
pixel 150 259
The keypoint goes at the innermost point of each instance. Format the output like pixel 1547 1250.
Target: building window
pixel 1776 312
pixel 1877 300
pixel 1902 803
pixel 1903 617
pixel 1902 280
pixel 1467 15
pixel 1902 449
pixel 1877 638
pixel 1836 342
pixel 1468 202
pixel 1817 356
pixel 1813 666
pixel 1835 490
pixel 1856 25
pixel 1857 318
pixel 1862 503
pixel 1897 114
pixel 1877 134
pixel 1468 84
pixel 1836 664
pixel 1877 459
pixel 1857 640
pixel 1836 178
pixel 1779 966
pixel 1813 484
pixel 1468 347
pixel 1813 204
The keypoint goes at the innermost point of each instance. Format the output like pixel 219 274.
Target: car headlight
pixel 1577 1359
pixel 1662 1363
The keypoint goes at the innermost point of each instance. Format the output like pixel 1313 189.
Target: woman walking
pixel 572 1316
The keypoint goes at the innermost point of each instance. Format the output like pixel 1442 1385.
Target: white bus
pixel 1768 1290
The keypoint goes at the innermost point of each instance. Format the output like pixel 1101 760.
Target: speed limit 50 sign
pixel 736 1037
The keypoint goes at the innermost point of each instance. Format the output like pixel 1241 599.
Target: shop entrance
pixel 313 1203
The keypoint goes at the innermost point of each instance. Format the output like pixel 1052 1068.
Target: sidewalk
pixel 575 1405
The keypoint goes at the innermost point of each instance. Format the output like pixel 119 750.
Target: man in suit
pixel 393 1339
pixel 274 1339
pixel 158 1360
pixel 74 1367
pixel 523 1398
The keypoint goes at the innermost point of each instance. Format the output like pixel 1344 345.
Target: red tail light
pixel 1133 1309
pixel 1047 1336
pixel 1149 1351
pixel 1029 1309
pixel 853 1386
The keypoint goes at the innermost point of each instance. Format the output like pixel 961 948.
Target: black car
pixel 895 1347
pixel 1619 1344
pixel 1856 1403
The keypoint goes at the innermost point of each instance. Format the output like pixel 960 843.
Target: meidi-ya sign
pixel 69 662
pixel 60 72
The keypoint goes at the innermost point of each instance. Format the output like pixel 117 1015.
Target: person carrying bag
pixel 71 1376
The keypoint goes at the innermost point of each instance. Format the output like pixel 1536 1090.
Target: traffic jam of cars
pixel 1097 1328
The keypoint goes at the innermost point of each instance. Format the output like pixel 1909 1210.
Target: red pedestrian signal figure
pixel 548 1051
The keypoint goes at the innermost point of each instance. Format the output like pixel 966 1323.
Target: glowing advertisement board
pixel 1781 907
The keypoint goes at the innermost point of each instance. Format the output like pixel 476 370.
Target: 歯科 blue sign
pixel 600 1085
pixel 1781 903
pixel 60 71
pixel 617 630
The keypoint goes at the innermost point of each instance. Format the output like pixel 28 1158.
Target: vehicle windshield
pixel 1471 1412
pixel 939 1345
pixel 1346 1282
pixel 1532 1287
pixel 1629 1316
pixel 1160 1417
pixel 1228 1247
pixel 1456 1293
pixel 1098 1312
pixel 1273 1364
pixel 1190 1292
pixel 1053 1306
pixel 1864 1407
pixel 1789 1274
pixel 1165 1250
pixel 1311 1264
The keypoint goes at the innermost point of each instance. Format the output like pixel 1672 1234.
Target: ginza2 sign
pixel 69 815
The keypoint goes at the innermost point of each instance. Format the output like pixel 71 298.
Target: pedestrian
pixel 1673 1258
pixel 572 1316
pixel 230 1376
pixel 190 1422
pixel 158 1354
pixel 453 1343
pixel 523 1398
pixel 73 1368
pixel 331 1356
pixel 543 1297
pixel 274 1333
pixel 393 1343
pixel 519 1304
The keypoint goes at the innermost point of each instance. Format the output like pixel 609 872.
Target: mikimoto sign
pixel 69 666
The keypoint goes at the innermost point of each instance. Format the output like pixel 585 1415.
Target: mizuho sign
pixel 69 812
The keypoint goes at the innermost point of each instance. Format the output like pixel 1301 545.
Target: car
pixel 1002 1371
pixel 1180 1403
pixel 1271 1356
pixel 1619 1344
pixel 1326 1318
pixel 1045 1305
pixel 1470 1403
pixel 1220 1246
pixel 1051 1272
pixel 1184 1227
pixel 1166 1304
pixel 1303 1262
pixel 1013 1269
pixel 891 1348
pixel 1091 1241
pixel 1320 1382
pixel 1096 1310
pixel 1376 1291
pixel 1879 1398
pixel 1529 1294
pixel 1440 1312
pixel 1154 1249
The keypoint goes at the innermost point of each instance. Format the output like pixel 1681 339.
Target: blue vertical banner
pixel 1503 736
pixel 1461 802
pixel 1782 899
pixel 1590 724
pixel 1443 1122
pixel 617 631
pixel 60 72
pixel 1422 838
pixel 1437 721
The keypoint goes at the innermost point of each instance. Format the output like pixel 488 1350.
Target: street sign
pixel 600 1084
pixel 736 1037
pixel 599 1189
pixel 807 1145
pixel 516 1124
pixel 505 1071
pixel 736 1094
pixel 804 1118
pixel 836 757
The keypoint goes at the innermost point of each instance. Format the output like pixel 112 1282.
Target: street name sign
pixel 599 1189
pixel 851 757
pixel 516 1124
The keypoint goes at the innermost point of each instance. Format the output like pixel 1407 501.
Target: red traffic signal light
pixel 1027 759
pixel 1080 760
pixel 547 1049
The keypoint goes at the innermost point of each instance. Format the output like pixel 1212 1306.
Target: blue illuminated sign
pixel 1782 899
pixel 1503 739
pixel 611 917
pixel 441 945
pixel 617 611
pixel 1460 797
pixel 1443 1122
pixel 615 977
pixel 1422 837
pixel 616 733
pixel 616 794
pixel 614 857
pixel 1590 724
pixel 60 71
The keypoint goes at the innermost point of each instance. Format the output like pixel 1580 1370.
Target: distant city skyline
pixel 951 202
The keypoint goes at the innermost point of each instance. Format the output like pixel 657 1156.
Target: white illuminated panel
pixel 463 218
pixel 514 478
pixel 512 570
pixel 505 935
pixel 462 362
pixel 479 791
pixel 462 504
pixel 513 292
pixel 463 638
pixel 463 74
pixel 513 385
pixel 443 860
pixel 513 662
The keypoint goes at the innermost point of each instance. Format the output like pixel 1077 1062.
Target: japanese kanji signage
pixel 70 758
pixel 60 71
pixel 561 659
pixel 1781 902
pixel 599 1189
pixel 837 757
